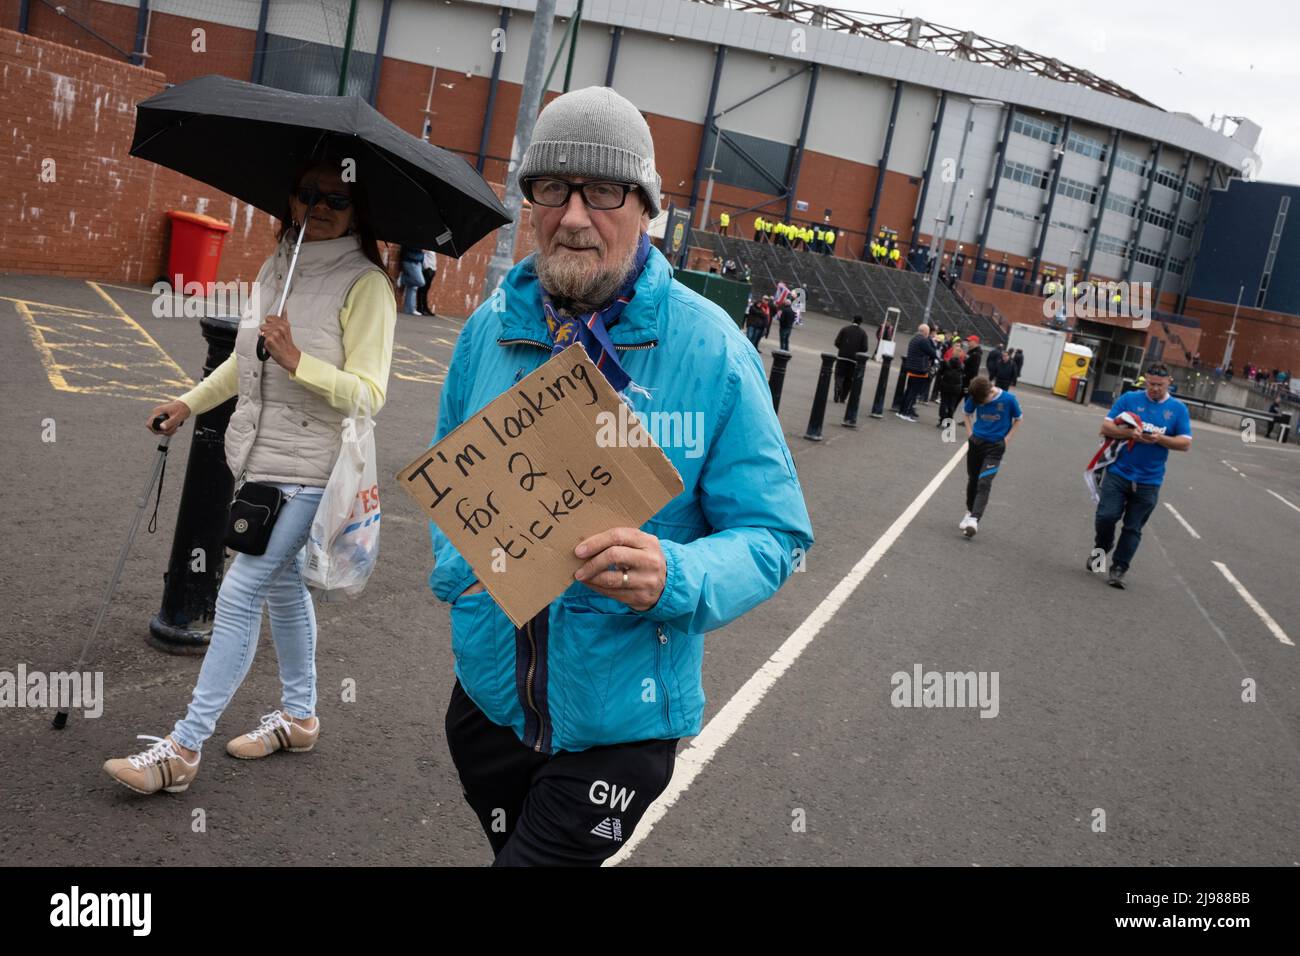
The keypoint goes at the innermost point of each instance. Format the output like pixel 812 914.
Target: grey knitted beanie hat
pixel 594 133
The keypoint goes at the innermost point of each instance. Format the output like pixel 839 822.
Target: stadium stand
pixel 845 287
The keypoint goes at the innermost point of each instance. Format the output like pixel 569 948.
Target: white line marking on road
pixel 1255 605
pixel 1229 464
pixel 716 733
pixel 1182 521
pixel 1281 499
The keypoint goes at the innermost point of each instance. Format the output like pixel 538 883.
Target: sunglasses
pixel 556 192
pixel 310 197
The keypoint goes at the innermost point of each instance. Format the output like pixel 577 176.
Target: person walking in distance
pixel 1002 369
pixel 430 272
pixel 974 355
pixel 786 318
pixel 411 277
pixel 850 340
pixel 1131 486
pixel 952 380
pixel 756 320
pixel 921 356
pixel 992 417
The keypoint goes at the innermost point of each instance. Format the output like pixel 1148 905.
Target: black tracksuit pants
pixel 948 402
pixel 560 809
pixel 983 458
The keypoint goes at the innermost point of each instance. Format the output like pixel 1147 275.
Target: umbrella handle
pixel 262 353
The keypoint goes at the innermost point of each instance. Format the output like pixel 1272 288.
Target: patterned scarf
pixel 590 328
pixel 532 640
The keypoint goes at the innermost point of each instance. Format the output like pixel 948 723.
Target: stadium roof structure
pixel 924 35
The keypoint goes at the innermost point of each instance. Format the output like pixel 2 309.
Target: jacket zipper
pixel 542 345
pixel 528 688
pixel 659 671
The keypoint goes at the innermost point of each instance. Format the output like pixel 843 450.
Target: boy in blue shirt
pixel 997 415
pixel 1132 484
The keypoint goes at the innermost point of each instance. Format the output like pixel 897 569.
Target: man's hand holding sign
pixel 532 502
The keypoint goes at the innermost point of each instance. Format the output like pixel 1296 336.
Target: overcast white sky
pixel 1196 56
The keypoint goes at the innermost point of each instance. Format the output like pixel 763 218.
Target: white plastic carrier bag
pixel 344 542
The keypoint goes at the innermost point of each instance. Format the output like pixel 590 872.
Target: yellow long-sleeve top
pixel 368 320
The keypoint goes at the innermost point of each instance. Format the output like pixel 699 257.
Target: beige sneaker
pixel 160 767
pixel 277 732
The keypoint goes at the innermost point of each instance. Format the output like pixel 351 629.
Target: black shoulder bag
pixel 256 504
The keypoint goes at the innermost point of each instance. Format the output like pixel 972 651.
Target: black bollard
pixel 183 624
pixel 898 389
pixel 814 432
pixel 780 358
pixel 855 392
pixel 878 404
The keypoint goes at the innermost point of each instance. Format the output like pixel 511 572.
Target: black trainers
pixel 1116 578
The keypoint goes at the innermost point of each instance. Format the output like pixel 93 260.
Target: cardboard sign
pixel 520 483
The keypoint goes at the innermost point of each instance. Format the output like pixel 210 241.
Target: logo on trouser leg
pixel 611 828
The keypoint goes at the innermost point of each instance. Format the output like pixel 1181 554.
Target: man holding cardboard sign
pixel 563 725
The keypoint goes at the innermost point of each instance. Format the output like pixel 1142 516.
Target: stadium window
pixel 735 169
pixel 1020 173
pixel 1134 164
pixel 302 66
pixel 1159 218
pixel 1177 266
pixel 1017 213
pixel 1087 146
pixel 1112 245
pixel 1121 204
pixel 1148 257
pixel 1074 189
pixel 1167 178
pixel 1193 192
pixel 1069 225
pixel 1036 128
pixel 1184 229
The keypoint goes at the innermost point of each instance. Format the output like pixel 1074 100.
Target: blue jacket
pixel 606 673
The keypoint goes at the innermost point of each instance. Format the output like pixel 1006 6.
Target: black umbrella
pixel 250 140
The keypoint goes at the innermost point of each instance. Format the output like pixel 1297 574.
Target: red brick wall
pixel 1270 339
pixel 104 215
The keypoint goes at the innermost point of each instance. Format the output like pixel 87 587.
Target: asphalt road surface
pixel 1154 726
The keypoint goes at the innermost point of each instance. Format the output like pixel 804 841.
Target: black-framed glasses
pixel 310 197
pixel 543 191
pixel 1159 369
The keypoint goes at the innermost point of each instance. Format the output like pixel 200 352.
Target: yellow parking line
pixel 99 353
pixel 180 372
pixel 52 371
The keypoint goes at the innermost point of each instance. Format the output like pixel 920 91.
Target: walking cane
pixel 156 475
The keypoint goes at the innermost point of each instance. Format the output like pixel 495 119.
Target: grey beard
pixel 584 295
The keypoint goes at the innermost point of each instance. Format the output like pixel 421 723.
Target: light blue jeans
pixel 412 278
pixel 273 579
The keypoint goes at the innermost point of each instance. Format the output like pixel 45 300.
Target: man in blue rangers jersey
pixel 1132 484
pixel 992 416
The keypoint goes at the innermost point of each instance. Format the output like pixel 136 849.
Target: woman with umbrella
pixel 330 351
